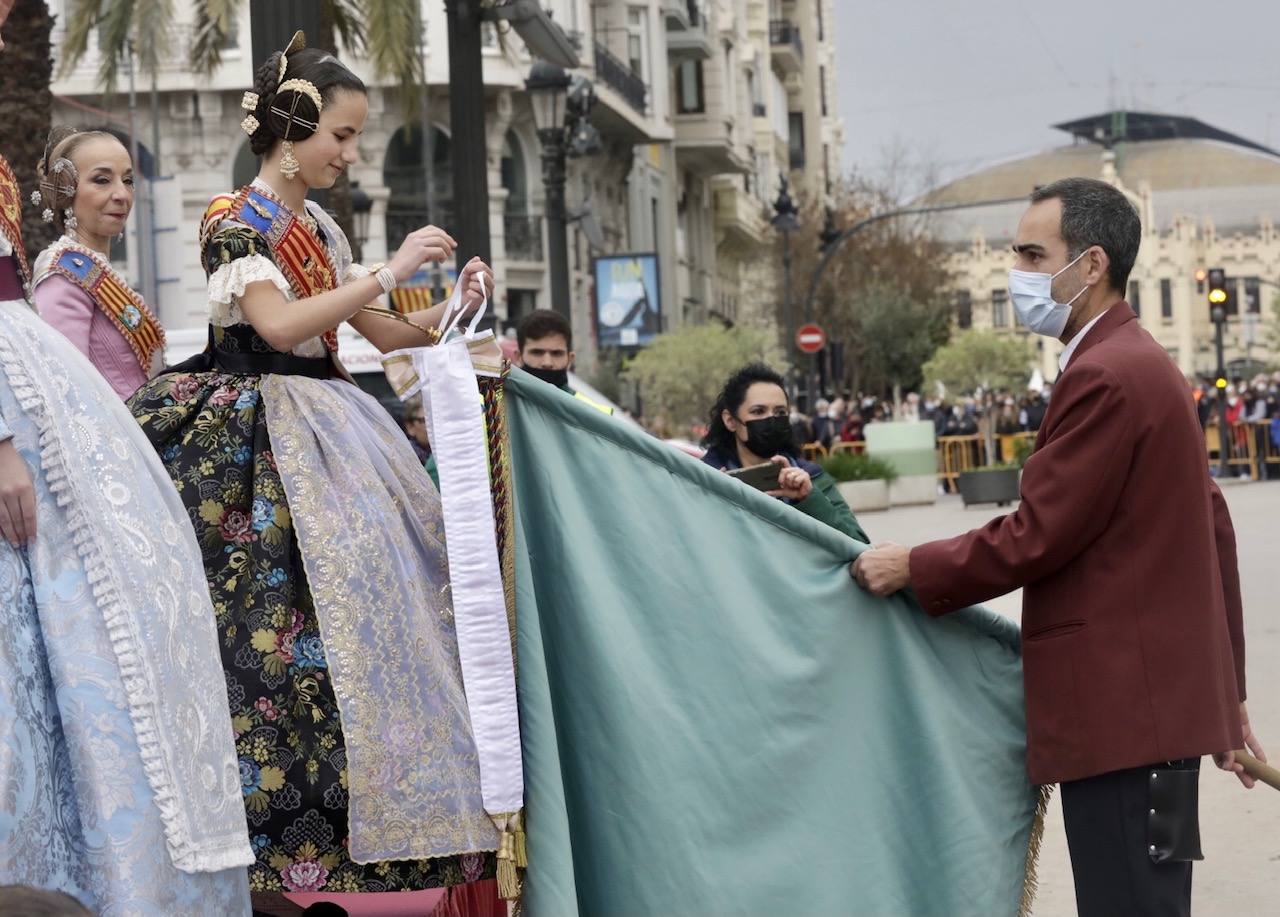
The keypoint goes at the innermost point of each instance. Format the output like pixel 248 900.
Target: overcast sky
pixel 959 85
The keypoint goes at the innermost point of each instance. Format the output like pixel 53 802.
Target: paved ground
pixel 1240 830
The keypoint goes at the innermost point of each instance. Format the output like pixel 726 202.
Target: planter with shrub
pixel 999 484
pixel 863 480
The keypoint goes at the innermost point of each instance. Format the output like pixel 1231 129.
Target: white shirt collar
pixel 1065 358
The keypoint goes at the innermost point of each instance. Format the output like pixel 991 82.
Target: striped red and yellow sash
pixel 11 217
pixel 113 297
pixel 296 249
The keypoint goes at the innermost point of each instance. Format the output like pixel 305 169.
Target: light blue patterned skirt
pixel 77 813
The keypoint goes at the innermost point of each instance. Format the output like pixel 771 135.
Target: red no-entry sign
pixel 810 338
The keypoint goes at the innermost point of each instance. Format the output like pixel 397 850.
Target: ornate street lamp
pixel 548 87
pixel 786 220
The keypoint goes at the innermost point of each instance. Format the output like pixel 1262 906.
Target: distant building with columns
pixel 1207 198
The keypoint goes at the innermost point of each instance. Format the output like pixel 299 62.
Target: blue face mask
pixel 1032 296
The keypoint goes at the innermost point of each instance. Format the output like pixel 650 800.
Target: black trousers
pixel 1106 819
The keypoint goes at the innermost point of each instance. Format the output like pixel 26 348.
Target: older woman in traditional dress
pixel 86 190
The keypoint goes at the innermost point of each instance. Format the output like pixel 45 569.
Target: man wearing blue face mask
pixel 1133 637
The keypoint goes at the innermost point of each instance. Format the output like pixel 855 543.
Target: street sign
pixel 810 338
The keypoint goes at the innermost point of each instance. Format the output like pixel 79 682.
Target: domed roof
pixel 1192 170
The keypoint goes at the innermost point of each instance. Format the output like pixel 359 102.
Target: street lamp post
pixel 548 87
pixel 786 221
pixel 561 106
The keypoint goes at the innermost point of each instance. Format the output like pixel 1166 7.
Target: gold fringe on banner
pixel 1030 880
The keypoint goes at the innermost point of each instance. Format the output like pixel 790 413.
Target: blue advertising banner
pixel 628 301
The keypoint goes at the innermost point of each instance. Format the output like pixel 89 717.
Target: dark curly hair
pixel 720 438
pixel 321 69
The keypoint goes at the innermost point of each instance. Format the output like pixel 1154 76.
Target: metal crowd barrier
pixel 1249 446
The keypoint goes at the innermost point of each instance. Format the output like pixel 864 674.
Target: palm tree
pixel 385 32
pixel 26 70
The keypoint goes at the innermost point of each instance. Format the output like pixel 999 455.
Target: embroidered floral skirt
pixel 211 431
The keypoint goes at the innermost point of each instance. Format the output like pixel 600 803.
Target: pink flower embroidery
pixel 284 642
pixel 224 396
pixel 268 710
pixel 472 866
pixel 304 876
pixel 183 388
pixel 236 526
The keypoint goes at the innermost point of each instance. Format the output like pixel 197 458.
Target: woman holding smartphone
pixel 750 425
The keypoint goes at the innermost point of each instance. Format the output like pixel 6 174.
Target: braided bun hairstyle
pixel 56 173
pixel 289 115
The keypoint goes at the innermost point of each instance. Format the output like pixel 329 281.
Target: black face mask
pixel 769 436
pixel 557 377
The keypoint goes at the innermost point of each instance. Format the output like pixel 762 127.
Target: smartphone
pixel 762 477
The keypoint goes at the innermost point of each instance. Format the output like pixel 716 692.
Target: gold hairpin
pixel 249 125
pixel 296 43
pixel 249 101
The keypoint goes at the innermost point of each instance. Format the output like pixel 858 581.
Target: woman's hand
pixel 793 483
pixel 429 243
pixel 477 282
pixel 17 497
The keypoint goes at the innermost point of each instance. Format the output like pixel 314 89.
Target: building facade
pixel 1206 198
pixel 696 105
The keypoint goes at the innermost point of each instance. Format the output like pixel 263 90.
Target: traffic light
pixel 1217 286
pixel 1220 382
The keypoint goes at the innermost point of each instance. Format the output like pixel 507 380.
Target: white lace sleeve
pixel 228 282
pixel 5 248
pixel 356 272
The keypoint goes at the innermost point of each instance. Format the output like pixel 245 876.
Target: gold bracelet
pixel 432 334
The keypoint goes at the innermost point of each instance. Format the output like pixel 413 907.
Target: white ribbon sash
pixel 455 414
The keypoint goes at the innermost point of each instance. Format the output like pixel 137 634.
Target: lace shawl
pixel 144 565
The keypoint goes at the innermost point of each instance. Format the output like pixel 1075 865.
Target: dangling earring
pixel 69 219
pixel 120 238
pixel 288 162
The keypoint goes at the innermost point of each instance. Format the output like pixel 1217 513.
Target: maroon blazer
pixel 1133 641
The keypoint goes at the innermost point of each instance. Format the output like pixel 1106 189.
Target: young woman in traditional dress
pixel 86 190
pixel 322 534
pixel 117 771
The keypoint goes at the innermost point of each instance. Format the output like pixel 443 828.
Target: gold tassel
pixel 508 881
pixel 521 854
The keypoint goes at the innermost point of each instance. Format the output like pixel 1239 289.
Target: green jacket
pixel 826 505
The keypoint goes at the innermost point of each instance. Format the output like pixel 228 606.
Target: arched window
pixel 405 175
pixel 521 229
pixel 515 175
pixel 245 167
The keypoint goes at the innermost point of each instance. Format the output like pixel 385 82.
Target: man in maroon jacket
pixel 1133 643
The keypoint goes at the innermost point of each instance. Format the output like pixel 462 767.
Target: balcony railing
pixel 619 77
pixel 785 32
pixel 523 235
